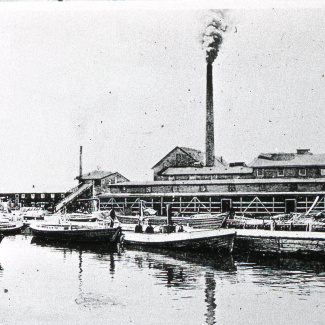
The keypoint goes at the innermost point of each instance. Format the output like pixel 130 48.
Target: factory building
pixel 196 182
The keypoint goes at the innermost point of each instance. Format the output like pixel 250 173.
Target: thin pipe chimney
pixel 209 140
pixel 80 164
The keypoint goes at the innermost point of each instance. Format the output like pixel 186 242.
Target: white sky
pixel 129 85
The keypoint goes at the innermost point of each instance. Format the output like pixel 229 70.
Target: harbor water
pixel 47 283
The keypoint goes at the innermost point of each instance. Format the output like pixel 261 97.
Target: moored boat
pixel 10 228
pixel 81 217
pixel 77 233
pixel 206 221
pixel 220 240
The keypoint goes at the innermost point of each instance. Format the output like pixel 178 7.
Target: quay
pixel 280 242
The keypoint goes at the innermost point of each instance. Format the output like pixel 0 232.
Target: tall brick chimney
pixel 80 164
pixel 209 139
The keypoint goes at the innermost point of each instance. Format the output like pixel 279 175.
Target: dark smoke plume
pixel 212 37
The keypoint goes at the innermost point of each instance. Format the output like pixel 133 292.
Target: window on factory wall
pixel 32 196
pixel 23 196
pixel 280 172
pixel 171 178
pixel 52 196
pixel 322 171
pixel 62 196
pixel 260 172
pixel 42 196
pixel 148 189
pixel 302 172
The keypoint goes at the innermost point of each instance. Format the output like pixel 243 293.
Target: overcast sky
pixel 129 85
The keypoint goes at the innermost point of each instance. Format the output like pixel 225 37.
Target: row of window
pixel 23 196
pixel 280 172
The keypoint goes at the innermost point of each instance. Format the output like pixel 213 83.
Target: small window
pixel 148 189
pixel 192 177
pixel 231 188
pixel 302 172
pixel 32 196
pixel 280 172
pixel 42 196
pixel 23 196
pixel 260 172
pixel 171 178
pixel 62 196
pixel 322 171
pixel 123 189
pixel 52 196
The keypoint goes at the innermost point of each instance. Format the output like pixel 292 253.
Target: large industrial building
pixel 199 182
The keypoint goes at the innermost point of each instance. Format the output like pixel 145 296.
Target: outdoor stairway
pixel 77 191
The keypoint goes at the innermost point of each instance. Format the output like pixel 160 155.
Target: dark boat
pixel 220 240
pixel 77 233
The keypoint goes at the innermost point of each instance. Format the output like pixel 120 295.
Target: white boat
pixel 220 240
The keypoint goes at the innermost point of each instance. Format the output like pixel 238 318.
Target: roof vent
pixel 303 151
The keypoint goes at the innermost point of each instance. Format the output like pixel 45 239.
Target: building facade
pixel 271 184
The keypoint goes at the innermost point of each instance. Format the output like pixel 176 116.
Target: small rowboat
pixel 77 233
pixel 220 240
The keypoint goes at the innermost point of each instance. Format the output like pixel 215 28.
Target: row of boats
pixel 203 232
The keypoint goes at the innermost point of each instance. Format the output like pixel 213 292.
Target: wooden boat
pixel 221 240
pixel 203 221
pixel 81 217
pixel 32 213
pixel 10 228
pixel 77 233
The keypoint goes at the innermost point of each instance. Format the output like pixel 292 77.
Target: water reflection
pixel 208 285
pixel 298 275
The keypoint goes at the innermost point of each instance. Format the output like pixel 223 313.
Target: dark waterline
pixel 47 283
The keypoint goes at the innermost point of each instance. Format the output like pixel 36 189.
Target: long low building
pixel 273 183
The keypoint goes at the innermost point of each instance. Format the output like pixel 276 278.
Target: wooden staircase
pixel 76 192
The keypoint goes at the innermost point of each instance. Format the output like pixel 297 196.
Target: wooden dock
pixel 280 242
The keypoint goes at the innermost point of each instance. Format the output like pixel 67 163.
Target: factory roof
pixel 220 169
pixel 221 181
pixel 300 159
pixel 96 174
pixel 195 154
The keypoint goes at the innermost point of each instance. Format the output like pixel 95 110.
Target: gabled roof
pixel 195 154
pixel 96 174
pixel 288 160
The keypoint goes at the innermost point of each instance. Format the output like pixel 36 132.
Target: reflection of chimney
pixel 80 164
pixel 209 140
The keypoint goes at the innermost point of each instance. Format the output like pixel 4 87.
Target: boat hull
pixel 77 234
pixel 11 229
pixel 209 240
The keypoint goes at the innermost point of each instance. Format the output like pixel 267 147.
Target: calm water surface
pixel 50 284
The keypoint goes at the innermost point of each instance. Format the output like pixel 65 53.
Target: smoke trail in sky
pixel 212 37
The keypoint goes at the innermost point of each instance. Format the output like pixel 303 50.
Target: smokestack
pixel 209 140
pixel 80 164
pixel 211 42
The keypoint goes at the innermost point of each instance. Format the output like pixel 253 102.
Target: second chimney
pixel 80 164
pixel 209 140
